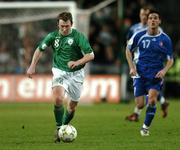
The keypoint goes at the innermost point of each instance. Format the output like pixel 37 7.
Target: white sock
pixel 137 110
pixel 145 127
pixel 162 100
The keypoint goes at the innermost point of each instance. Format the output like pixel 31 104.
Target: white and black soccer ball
pixel 67 133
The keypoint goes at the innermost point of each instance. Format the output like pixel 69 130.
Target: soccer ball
pixel 67 133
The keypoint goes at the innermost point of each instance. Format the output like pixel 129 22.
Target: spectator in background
pixel 121 28
pixel 29 38
pixel 4 58
pixel 104 43
pixel 8 64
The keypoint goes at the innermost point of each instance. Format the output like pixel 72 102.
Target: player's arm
pixel 168 65
pixel 35 59
pixel 132 67
pixel 167 47
pixel 86 58
pixel 86 50
pixel 46 42
pixel 132 45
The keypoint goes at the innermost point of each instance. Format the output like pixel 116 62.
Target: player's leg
pixel 59 87
pixel 150 111
pixel 139 99
pixel 58 96
pixel 75 83
pixel 69 113
pixel 164 105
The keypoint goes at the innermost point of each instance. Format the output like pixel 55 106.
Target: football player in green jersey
pixel 71 51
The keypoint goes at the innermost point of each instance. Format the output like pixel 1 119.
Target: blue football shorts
pixel 143 85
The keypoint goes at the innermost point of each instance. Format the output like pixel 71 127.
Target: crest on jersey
pixel 161 43
pixel 154 39
pixel 70 41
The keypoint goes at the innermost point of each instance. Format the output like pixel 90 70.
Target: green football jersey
pixel 66 48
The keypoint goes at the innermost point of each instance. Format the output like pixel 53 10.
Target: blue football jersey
pixel 150 52
pixel 135 28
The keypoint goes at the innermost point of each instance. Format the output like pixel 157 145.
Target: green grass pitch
pixel 30 126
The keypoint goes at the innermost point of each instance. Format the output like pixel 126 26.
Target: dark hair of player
pixel 154 11
pixel 65 16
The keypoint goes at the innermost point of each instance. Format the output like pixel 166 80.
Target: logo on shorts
pixel 70 41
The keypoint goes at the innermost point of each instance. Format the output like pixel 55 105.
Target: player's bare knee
pixel 152 100
pixel 58 101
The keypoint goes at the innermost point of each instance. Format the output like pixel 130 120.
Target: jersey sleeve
pixel 130 33
pixel 134 29
pixel 46 42
pixel 132 43
pixel 168 45
pixel 84 45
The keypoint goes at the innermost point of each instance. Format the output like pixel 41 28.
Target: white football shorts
pixel 71 81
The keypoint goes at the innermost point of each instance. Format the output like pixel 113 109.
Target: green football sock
pixel 58 114
pixel 68 117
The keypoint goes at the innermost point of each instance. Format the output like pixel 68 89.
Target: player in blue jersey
pixel 144 11
pixel 153 48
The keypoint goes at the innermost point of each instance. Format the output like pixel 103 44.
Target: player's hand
pixel 73 64
pixel 160 74
pixel 30 71
pixel 133 72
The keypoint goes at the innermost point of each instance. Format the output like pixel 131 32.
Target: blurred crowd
pixel 107 35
